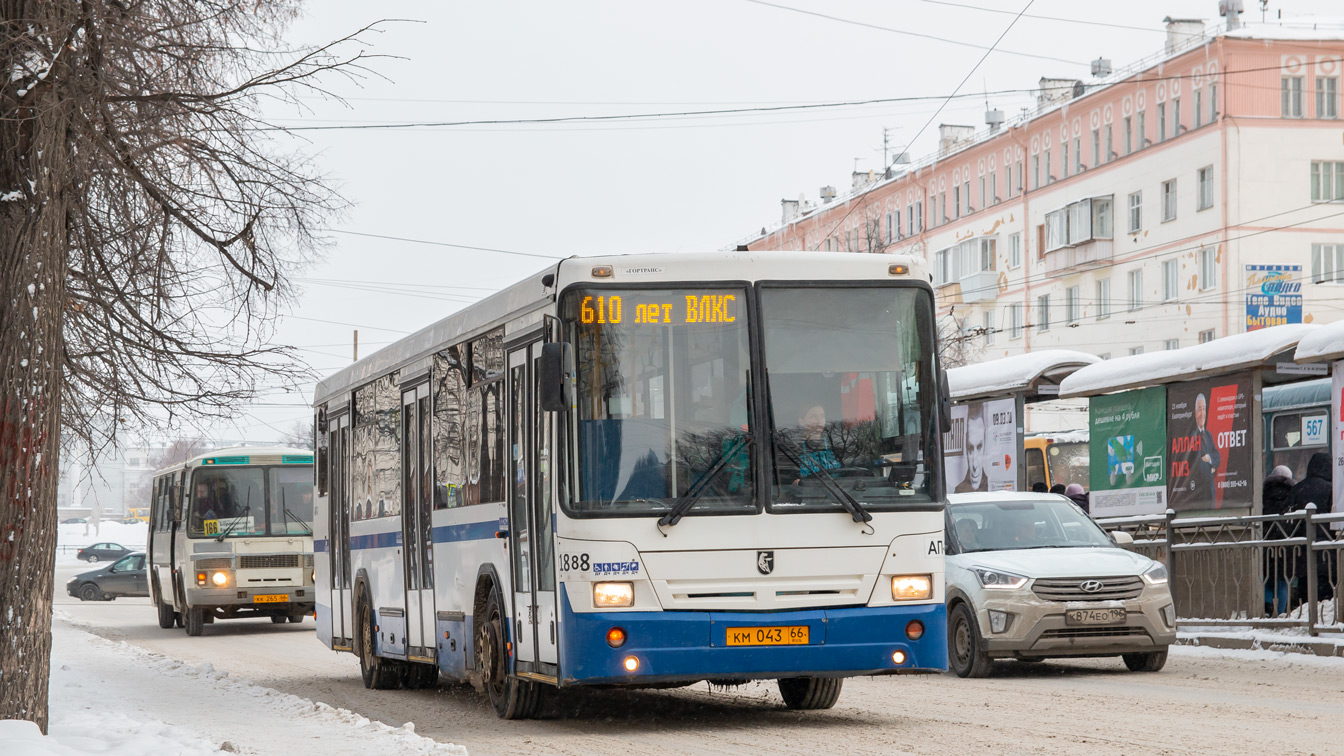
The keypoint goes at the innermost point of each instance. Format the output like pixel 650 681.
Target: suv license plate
pixel 794 635
pixel 1094 617
pixel 275 598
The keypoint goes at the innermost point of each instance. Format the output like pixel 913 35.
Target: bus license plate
pixel 1094 617
pixel 792 635
pixel 274 598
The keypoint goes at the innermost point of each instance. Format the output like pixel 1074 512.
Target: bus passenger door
pixel 415 506
pixel 543 519
pixel 338 532
pixel 523 632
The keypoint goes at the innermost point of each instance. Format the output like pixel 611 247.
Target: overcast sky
pixel 668 185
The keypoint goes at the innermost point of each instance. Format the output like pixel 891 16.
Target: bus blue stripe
pixel 319 545
pixel 376 540
pixel 469 531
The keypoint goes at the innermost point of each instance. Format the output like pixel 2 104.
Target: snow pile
pixel 1016 373
pixel 120 700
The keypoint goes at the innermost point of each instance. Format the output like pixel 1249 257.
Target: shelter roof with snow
pixel 1324 344
pixel 1229 354
pixel 1034 374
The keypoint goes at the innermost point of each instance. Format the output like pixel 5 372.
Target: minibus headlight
pixel 220 579
pixel 613 594
pixel 911 587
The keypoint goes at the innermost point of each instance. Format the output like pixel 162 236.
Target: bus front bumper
pixel 683 646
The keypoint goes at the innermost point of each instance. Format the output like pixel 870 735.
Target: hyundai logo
pixel 1091 586
pixel 765 562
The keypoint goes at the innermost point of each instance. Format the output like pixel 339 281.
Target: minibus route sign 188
pixel 696 308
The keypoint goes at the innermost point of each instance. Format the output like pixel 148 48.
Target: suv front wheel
pixel 1150 661
pixel 966 652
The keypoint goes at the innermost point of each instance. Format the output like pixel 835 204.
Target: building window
pixel 1170 285
pixel 1168 200
pixel 1199 108
pixel 1043 312
pixel 1171 344
pixel 1208 267
pixel 1078 155
pixel 1161 122
pixel 984 202
pixel 1291 96
pixel 1213 101
pixel 993 198
pixel 1072 305
pixel 956 201
pixel 1064 168
pixel 1327 263
pixel 1015 250
pixel 1142 129
pixel 988 321
pixel 942 207
pixel 1015 320
pixel 1327 181
pixel 1035 171
pixel 1129 135
pixel 1135 290
pixel 1049 174
pixel 1327 97
pixel 1103 299
pixel 1135 350
pixel 966 196
pixel 1096 147
pixel 1206 336
pixel 1078 223
pixel 1136 212
pixel 1175 117
pixel 972 256
pixel 1110 148
pixel 1205 176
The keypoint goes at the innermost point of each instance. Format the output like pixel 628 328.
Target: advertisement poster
pixel 1337 435
pixel 1273 295
pixel 980 450
pixel 1128 453
pixel 1209 449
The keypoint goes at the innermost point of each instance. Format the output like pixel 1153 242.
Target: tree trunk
pixel 33 269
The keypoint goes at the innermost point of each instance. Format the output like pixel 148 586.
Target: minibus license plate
pixel 274 598
pixel 792 635
pixel 1094 616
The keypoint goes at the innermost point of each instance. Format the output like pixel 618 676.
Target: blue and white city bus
pixel 643 470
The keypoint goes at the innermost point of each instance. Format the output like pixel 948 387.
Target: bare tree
pixel 149 218
pixel 299 435
pixel 958 343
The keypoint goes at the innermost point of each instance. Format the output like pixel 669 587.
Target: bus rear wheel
pixel 808 693
pixel 512 698
pixel 279 619
pixel 378 673
pixel 167 617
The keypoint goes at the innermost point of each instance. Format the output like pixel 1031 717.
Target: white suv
pixel 1030 576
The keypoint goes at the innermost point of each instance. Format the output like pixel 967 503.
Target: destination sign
pixel 658 308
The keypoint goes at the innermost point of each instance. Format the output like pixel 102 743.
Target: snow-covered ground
pixel 70 537
pixel 114 699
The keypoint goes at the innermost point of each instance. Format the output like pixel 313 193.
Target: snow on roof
pixel 1304 28
pixel 1019 373
pixel 1220 356
pixel 1326 343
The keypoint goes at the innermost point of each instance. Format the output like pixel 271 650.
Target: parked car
pixel 102 552
pixel 73 521
pixel 124 577
pixel 1030 576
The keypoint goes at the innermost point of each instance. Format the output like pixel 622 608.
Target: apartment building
pixel 1195 194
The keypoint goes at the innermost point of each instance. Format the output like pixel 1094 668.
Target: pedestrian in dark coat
pixel 1317 489
pixel 1078 496
pixel 1282 567
pixel 1278 491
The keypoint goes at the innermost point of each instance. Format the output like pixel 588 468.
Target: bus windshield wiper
pixel 247 507
pixel 827 480
pixel 698 488
pixel 288 515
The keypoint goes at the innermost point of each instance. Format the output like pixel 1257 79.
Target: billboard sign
pixel 1273 295
pixel 1128 452
pixel 1337 435
pixel 980 450
pixel 1209 450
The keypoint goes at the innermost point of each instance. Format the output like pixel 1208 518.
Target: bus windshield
pixel 247 502
pixel 663 399
pixel 850 391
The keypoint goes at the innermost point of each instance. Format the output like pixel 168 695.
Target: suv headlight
pixel 1156 575
pixel 613 594
pixel 994 579
pixel 911 587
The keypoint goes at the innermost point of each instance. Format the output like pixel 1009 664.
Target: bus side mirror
pixel 556 377
pixel 944 401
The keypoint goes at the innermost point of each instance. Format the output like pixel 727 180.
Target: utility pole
pixel 356 345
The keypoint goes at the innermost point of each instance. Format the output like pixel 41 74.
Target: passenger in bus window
pixel 203 506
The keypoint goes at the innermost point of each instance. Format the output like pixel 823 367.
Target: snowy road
pixel 1204 702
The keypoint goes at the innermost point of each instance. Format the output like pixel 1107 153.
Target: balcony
pixel 980 287
pixel 1066 261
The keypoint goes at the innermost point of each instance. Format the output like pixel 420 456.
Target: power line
pixel 446 244
pixel 908 33
pixel 968 6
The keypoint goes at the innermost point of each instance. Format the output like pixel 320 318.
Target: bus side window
pixel 1035 468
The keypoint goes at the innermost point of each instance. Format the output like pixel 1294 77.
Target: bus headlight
pixel 220 579
pixel 911 587
pixel 613 594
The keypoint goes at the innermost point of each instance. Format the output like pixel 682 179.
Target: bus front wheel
pixel 512 698
pixel 167 617
pixel 807 693
pixel 194 621
pixel 378 673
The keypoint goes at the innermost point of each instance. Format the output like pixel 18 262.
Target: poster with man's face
pixel 980 449
pixel 1209 444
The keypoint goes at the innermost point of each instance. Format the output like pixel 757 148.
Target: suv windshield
pixel 850 398
pixel 662 399
pixel 1007 525
pixel 251 501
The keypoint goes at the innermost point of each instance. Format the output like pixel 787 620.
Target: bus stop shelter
pixel 984 449
pixel 1323 349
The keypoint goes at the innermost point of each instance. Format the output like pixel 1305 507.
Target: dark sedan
pixel 102 552
pixel 124 577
